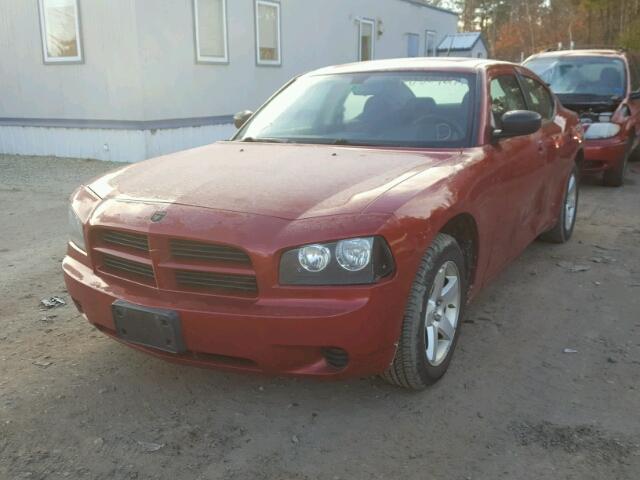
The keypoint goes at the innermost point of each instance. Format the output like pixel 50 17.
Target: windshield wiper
pixel 341 141
pixel 265 140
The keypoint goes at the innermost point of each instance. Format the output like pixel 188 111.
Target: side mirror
pixel 517 123
pixel 635 95
pixel 240 118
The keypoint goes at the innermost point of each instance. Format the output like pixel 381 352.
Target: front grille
pixel 127 267
pixel 208 252
pixel 180 265
pixel 217 281
pixel 129 240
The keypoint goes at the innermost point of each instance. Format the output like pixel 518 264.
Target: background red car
pixel 603 86
pixel 342 231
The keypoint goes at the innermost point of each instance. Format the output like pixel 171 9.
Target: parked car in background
pixel 603 86
pixel 341 232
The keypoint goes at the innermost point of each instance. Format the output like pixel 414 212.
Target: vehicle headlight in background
pixel 76 231
pixel 602 130
pixel 345 262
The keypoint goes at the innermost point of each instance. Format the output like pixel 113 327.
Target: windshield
pixel 406 109
pixel 582 76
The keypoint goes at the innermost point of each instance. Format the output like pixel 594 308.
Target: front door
pixel 519 176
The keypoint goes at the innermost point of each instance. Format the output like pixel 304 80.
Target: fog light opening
pixel 336 357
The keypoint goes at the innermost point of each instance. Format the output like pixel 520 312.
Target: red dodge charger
pixel 341 232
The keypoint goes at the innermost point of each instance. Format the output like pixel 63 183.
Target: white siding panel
pixel 161 142
pixel 107 144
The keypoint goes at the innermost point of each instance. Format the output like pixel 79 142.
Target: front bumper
pixel 603 154
pixel 282 335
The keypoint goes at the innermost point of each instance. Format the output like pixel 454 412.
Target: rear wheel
pixel 432 318
pixel 563 229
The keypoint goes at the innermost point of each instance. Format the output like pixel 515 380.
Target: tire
pixel 417 364
pixel 563 228
pixel 635 154
pixel 614 177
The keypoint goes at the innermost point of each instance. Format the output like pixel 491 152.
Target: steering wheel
pixel 444 128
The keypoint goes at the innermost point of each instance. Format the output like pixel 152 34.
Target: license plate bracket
pixel 150 327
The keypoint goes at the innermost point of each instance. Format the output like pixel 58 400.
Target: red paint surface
pixel 267 198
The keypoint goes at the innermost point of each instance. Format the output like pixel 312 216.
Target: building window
pixel 211 31
pixel 268 32
pixel 60 28
pixel 366 39
pixel 413 45
pixel 430 44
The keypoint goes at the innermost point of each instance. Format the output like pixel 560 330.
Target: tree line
pixel 516 28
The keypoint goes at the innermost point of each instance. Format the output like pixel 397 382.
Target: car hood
pixel 285 181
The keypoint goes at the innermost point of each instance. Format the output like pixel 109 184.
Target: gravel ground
pixel 514 405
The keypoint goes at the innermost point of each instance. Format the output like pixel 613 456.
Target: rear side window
pixel 505 97
pixel 539 98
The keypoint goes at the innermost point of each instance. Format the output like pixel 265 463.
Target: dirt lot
pixel 514 405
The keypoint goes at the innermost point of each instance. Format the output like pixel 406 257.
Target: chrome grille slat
pixel 206 251
pixel 122 265
pixel 129 240
pixel 244 283
pixel 209 256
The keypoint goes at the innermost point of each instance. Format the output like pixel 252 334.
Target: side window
pixel 267 32
pixel 539 98
pixel 211 30
pixel 430 43
pixel 505 97
pixel 60 27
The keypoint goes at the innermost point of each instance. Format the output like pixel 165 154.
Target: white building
pixel 131 79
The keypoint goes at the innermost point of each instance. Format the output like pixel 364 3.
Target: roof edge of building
pixel 433 7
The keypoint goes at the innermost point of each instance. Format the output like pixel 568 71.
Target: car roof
pixel 579 53
pixel 457 64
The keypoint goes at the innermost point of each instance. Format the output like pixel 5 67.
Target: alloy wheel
pixel 442 313
pixel 571 202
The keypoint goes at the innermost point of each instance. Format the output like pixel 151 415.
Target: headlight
pixel 601 130
pixel 76 231
pixel 346 262
pixel 314 258
pixel 354 254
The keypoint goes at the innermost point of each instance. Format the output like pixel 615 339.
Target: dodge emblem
pixel 159 215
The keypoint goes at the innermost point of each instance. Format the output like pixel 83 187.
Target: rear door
pixel 518 170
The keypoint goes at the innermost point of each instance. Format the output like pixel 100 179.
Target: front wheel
pixel 563 228
pixel 432 318
pixel 614 177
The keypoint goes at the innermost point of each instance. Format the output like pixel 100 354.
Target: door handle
pixel 541 147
